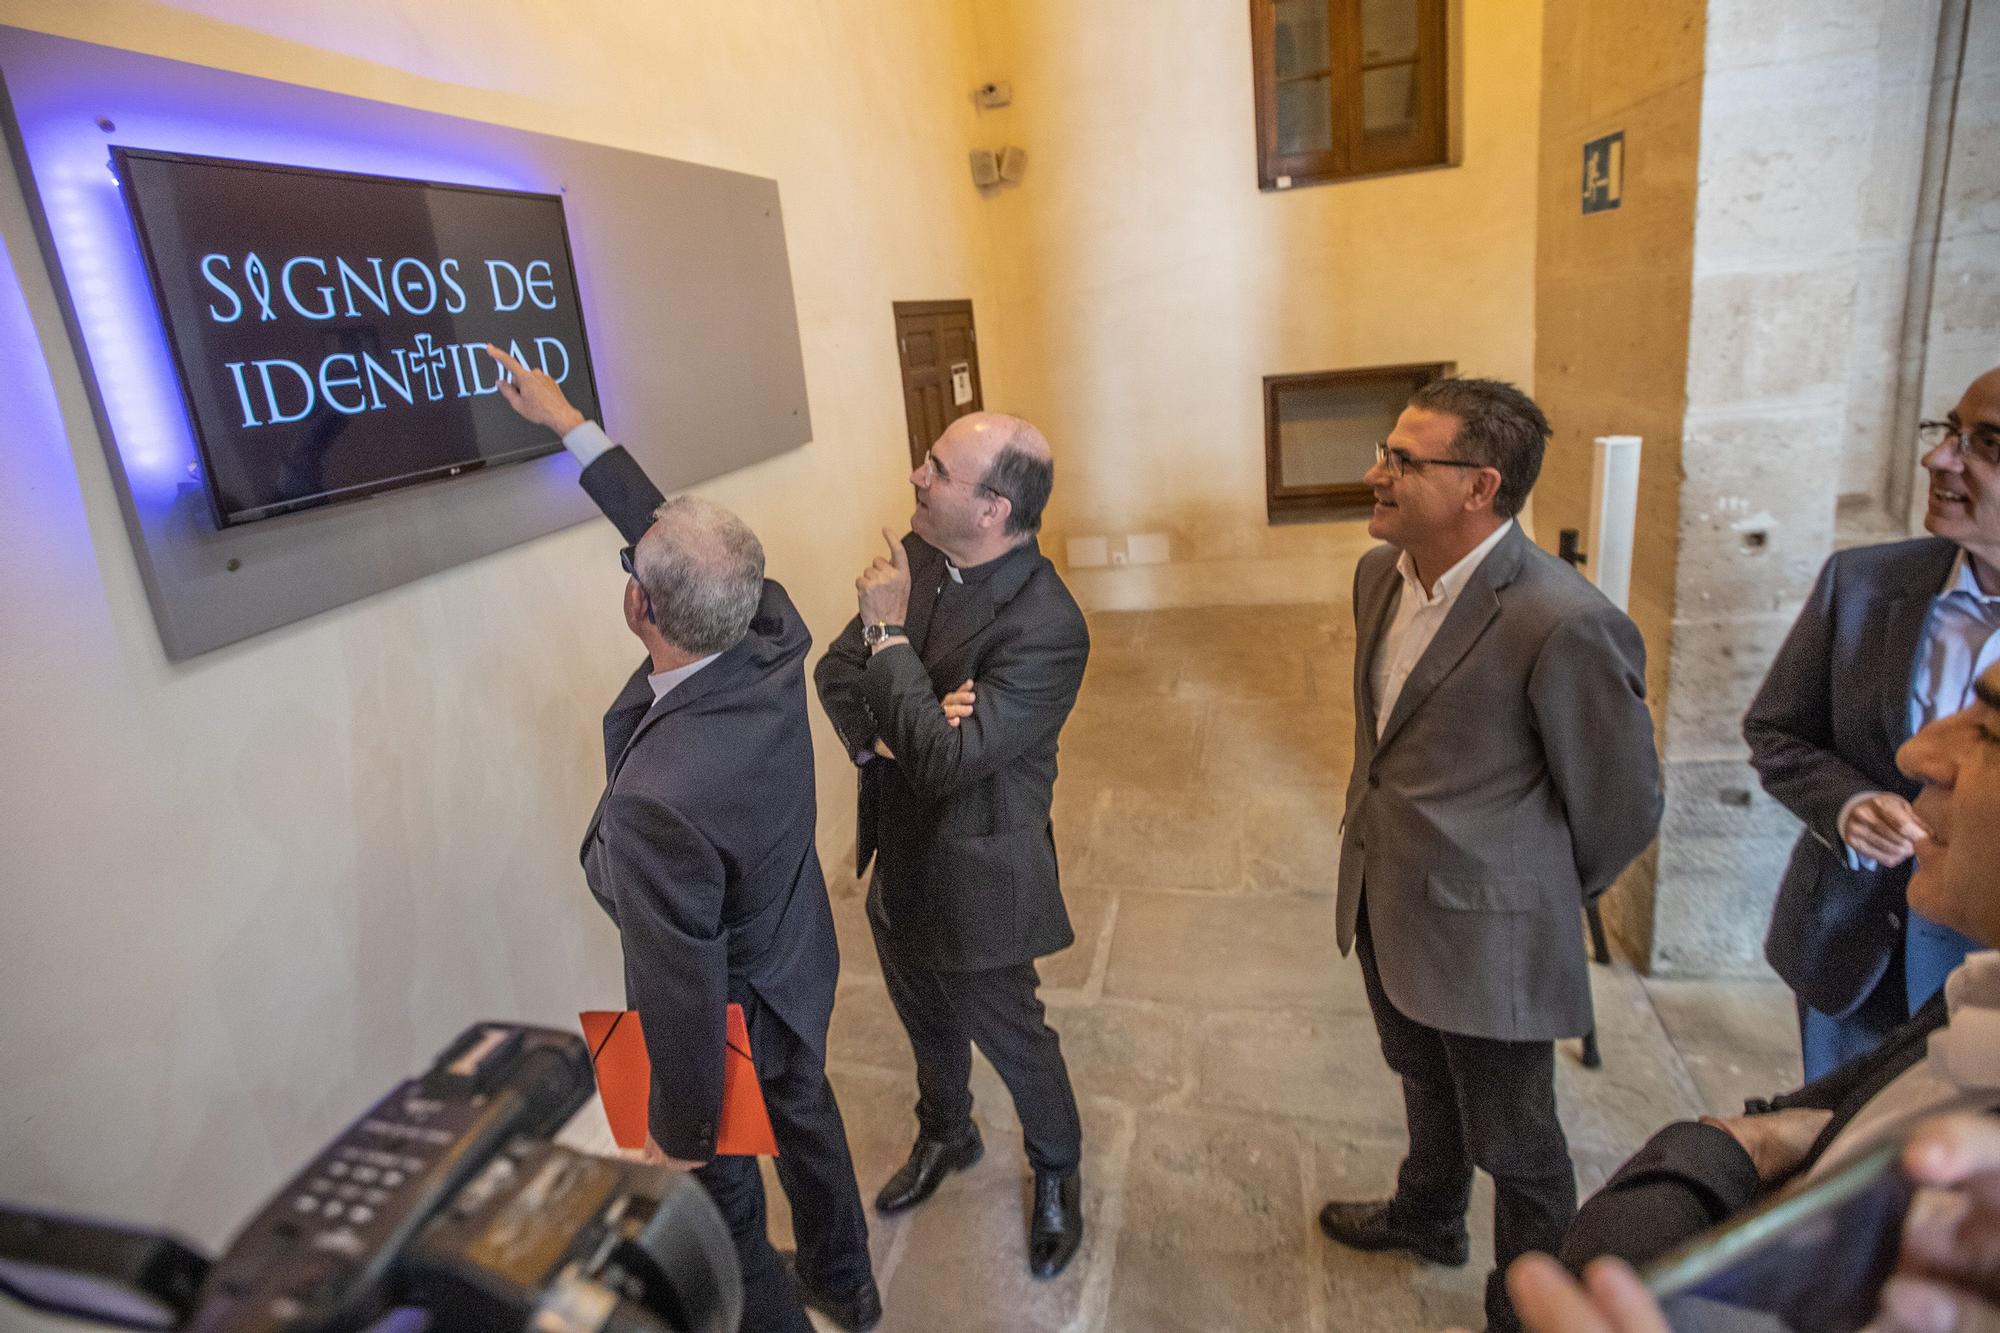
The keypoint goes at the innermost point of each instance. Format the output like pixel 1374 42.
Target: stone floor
pixel 1220 1046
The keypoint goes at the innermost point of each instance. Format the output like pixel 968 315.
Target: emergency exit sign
pixel 1604 173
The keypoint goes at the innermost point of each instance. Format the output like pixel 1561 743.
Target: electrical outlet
pixel 1118 557
pixel 1089 552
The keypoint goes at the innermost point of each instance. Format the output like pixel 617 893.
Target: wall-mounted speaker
pixel 1013 163
pixel 985 170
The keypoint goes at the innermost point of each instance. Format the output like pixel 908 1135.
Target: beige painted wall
pixel 249 891
pixel 1147 286
pixel 246 893
pixel 1612 301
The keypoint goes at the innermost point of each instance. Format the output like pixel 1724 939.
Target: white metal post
pixel 1614 509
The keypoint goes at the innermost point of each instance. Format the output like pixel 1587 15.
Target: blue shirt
pixel 1961 639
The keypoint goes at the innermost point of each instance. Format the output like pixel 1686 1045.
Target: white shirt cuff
pixel 587 442
pixel 1855 860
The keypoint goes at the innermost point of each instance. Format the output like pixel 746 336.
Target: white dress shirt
pixel 1961 639
pixel 1960 1069
pixel 1418 617
pixel 587 442
pixel 664 681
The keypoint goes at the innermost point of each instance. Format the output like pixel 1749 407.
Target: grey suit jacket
pixel 1516 776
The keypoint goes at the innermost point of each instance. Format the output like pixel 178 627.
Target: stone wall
pixel 1890 268
pixel 1955 295
pixel 1803 263
pixel 1802 249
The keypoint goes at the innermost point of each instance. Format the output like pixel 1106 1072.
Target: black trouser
pixel 813 1161
pixel 946 1014
pixel 1475 1101
pixel 770 1301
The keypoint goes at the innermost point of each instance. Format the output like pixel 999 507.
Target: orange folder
pixel 625 1081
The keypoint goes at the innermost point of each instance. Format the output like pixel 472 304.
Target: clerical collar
pixel 978 574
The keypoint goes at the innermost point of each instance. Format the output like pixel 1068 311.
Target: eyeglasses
pixel 627 557
pixel 934 471
pixel 1402 461
pixel 1983 445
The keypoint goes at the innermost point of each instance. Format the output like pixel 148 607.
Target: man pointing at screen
pixel 703 852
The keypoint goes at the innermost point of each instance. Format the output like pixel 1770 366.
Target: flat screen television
pixel 327 326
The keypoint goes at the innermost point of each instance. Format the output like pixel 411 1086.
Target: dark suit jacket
pixel 959 822
pixel 1823 728
pixel 1690 1176
pixel 1515 777
pixel 702 847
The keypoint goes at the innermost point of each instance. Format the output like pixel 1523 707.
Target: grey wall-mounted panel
pixel 682 271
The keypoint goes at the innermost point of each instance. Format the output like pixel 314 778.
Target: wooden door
pixel 939 352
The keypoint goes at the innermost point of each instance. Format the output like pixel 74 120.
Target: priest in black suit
pixel 702 850
pixel 954 805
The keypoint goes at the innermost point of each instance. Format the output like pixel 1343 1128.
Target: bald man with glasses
pixel 1892 637
pixel 950 688
pixel 1504 772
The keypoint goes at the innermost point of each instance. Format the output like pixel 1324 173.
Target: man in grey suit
pixel 1504 772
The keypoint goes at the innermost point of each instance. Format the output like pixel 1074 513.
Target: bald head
pixel 994 431
pixel 703 571
pixel 1015 461
pixel 1978 411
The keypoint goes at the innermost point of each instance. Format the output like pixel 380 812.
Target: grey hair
pixel 1023 472
pixel 703 570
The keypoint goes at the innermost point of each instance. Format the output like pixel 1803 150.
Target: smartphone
pixel 1813 1258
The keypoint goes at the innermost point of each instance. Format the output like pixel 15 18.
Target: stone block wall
pixel 1813 124
pixel 1956 253
pixel 1806 258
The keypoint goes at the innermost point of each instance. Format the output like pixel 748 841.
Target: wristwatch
pixel 872 635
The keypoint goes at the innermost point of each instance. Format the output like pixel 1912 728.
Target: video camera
pixel 445 1207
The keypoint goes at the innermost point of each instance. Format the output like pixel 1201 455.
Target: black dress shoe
pixel 1375 1225
pixel 1055 1228
pixel 931 1160
pixel 857 1311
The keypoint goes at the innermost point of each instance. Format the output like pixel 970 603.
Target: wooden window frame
pixel 1287 502
pixel 1354 153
